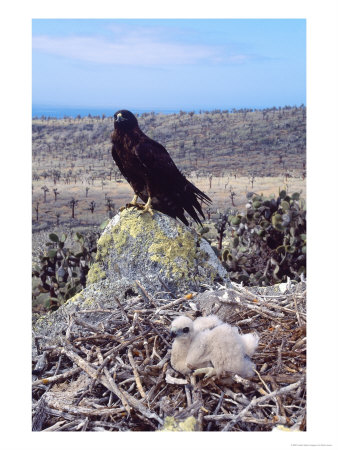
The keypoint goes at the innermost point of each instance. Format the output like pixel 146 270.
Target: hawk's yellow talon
pixel 147 207
pixel 207 371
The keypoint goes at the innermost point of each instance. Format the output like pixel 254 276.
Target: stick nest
pixel 115 374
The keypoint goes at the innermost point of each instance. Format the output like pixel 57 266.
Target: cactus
pixel 267 243
pixel 62 271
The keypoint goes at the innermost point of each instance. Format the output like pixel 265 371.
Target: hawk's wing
pixel 157 161
pixel 173 190
pixel 159 165
pixel 119 163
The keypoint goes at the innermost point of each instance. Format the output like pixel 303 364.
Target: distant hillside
pixel 267 142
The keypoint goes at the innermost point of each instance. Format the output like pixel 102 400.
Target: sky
pixel 169 63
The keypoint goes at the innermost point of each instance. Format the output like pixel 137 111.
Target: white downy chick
pixel 212 347
pixel 223 350
pixel 183 331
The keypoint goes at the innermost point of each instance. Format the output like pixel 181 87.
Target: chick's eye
pixel 186 330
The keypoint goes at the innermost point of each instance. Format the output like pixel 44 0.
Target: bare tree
pixel 92 205
pixel 109 204
pixel 232 196
pixel 210 180
pixel 56 193
pixel 72 204
pixel 37 211
pixel 56 175
pixel 87 189
pixel 252 179
pixel 226 183
pixel 45 190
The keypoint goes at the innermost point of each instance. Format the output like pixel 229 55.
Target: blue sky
pixel 169 63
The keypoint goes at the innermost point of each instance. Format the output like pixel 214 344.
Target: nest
pixel 115 374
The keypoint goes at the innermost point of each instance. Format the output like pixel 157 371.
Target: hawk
pixel 152 174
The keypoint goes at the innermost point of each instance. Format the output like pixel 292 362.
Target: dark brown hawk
pixel 149 169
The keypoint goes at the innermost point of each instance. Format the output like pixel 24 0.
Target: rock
pixel 167 258
pixel 157 251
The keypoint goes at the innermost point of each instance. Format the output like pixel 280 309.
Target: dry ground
pixel 121 193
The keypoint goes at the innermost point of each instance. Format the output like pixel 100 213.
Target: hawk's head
pixel 124 120
pixel 182 328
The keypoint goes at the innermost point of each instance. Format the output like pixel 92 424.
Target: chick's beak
pixel 173 334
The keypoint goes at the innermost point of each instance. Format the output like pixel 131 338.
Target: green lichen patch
pixel 175 255
pixel 103 246
pixel 171 424
pixel 88 302
pixel 131 224
pixel 77 298
pixel 95 274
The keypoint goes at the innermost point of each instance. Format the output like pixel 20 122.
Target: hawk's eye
pixel 186 330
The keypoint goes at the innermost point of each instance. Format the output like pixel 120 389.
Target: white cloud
pixel 135 49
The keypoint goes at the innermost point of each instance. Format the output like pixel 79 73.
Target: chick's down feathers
pixel 207 322
pixel 209 342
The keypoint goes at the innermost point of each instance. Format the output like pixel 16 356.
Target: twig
pixel 171 380
pixel 171 304
pixel 91 327
pixel 136 374
pixel 113 387
pixel 146 295
pixel 297 312
pixel 125 315
pixel 57 378
pixel 256 401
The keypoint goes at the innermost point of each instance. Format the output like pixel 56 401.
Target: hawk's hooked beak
pixel 119 118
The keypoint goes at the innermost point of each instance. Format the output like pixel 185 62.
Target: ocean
pixel 61 111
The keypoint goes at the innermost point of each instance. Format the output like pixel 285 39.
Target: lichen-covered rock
pixel 157 251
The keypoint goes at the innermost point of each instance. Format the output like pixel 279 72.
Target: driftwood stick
pixel 158 333
pixel 136 374
pixel 170 305
pixel 136 404
pixel 56 426
pixel 279 401
pixel 40 414
pixel 218 407
pixel 239 397
pixel 91 327
pixel 98 336
pixel 69 328
pixel 145 294
pixel 57 378
pixel 113 386
pixel 125 315
pixel 297 311
pixel 58 403
pixel 258 400
pixel 278 420
pixel 85 366
pixel 171 380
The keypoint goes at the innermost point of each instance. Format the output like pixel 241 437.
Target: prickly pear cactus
pixel 267 243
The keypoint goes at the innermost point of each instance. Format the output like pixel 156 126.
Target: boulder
pixel 138 251
pixel 158 251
